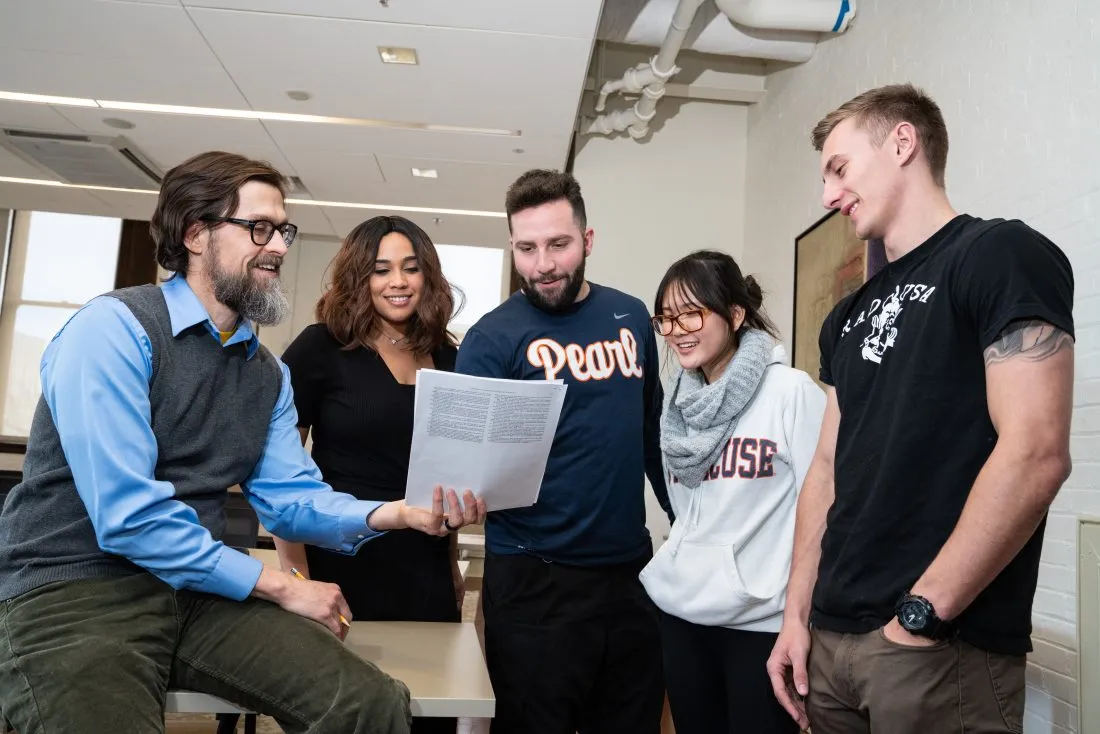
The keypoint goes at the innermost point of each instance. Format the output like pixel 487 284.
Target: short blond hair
pixel 879 110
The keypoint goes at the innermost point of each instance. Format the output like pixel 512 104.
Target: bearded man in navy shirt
pixel 561 589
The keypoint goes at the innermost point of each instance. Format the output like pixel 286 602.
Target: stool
pixel 227 714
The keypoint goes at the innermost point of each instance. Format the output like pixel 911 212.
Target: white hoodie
pixel 727 559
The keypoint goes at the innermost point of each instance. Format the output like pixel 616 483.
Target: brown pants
pixel 866 684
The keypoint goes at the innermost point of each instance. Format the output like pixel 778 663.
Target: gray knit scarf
pixel 698 417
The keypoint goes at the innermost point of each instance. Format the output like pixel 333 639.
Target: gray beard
pixel 264 304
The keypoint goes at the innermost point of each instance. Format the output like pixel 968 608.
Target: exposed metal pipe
pixel 712 33
pixel 634 80
pixel 823 16
pixel 801 16
pixel 661 68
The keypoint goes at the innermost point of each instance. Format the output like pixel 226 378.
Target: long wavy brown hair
pixel 347 307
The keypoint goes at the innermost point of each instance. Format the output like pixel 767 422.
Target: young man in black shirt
pixel 945 439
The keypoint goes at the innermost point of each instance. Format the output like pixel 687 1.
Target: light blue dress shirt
pixel 95 379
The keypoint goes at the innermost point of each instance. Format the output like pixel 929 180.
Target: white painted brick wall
pixel 1019 84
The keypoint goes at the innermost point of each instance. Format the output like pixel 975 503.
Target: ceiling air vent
pixel 296 189
pixel 90 160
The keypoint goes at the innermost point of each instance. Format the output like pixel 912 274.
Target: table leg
pixel 227 723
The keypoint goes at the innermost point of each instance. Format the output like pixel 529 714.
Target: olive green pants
pixel 97 656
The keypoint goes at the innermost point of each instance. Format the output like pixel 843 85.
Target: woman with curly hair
pixel 383 318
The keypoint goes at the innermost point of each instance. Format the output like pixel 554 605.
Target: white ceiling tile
pixel 162 80
pixel 186 149
pixel 465 77
pixel 297 140
pixel 170 139
pixel 577 18
pixel 450 230
pixel 340 177
pixel 157 126
pixel 14 166
pixel 129 206
pixel 51 199
pixel 355 178
pixel 311 220
pixel 26 116
pixel 460 185
pixel 103 28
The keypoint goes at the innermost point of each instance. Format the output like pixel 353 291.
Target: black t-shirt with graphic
pixel 905 354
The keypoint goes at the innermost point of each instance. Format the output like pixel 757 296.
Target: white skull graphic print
pixel 883 314
pixel 883 332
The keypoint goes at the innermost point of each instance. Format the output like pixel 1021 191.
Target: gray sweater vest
pixel 211 409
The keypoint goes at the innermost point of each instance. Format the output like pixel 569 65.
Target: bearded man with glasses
pixel 156 400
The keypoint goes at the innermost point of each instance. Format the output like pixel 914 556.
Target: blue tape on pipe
pixel 844 8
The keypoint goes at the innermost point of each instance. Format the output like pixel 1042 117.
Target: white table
pixel 441 663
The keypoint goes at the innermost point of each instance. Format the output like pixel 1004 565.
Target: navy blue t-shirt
pixel 591 507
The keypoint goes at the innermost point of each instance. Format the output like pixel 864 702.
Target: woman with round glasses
pixel 738 432
pixel 384 317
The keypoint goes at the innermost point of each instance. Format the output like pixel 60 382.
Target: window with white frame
pixel 479 273
pixel 56 264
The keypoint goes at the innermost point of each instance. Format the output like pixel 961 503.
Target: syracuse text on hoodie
pixel 728 556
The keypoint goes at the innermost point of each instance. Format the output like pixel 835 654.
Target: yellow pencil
pixel 296 572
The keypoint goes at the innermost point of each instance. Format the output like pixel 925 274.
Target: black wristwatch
pixel 918 617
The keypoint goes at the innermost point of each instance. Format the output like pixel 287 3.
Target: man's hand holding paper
pixel 493 434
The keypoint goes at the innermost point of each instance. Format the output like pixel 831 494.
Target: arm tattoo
pixel 1032 340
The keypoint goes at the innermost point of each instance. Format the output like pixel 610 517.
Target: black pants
pixel 717 681
pixel 571 649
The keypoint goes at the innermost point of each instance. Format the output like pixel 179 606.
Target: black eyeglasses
pixel 689 321
pixel 262 230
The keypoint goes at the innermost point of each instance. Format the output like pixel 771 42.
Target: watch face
pixel 913 615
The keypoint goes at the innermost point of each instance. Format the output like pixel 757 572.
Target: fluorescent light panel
pixel 63 185
pixel 249 114
pixel 299 202
pixel 46 99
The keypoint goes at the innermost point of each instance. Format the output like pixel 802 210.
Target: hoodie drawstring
pixel 695 508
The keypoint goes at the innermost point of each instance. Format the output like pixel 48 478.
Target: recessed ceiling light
pixel 425 173
pixel 300 202
pixel 118 123
pixel 396 55
pixel 250 114
pixel 298 95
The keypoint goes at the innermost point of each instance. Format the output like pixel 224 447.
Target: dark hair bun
pixel 756 296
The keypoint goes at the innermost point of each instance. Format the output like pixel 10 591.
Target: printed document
pixel 491 436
